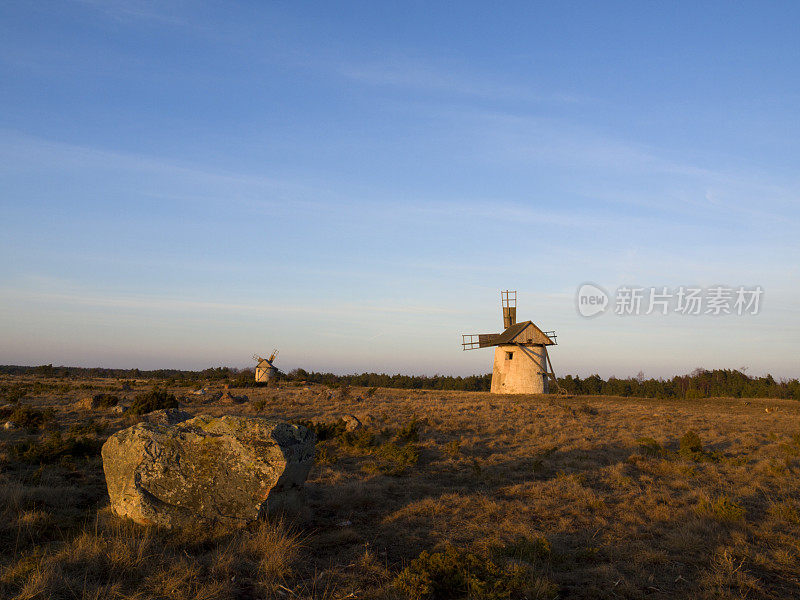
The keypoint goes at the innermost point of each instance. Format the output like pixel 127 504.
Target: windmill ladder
pixel 552 375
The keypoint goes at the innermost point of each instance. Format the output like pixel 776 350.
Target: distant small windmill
pixel 265 370
pixel 521 362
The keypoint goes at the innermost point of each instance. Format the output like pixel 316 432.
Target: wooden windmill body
pixel 521 362
pixel 265 370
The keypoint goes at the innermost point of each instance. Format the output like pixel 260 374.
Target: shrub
pixel 153 400
pixel 325 431
pixel 15 393
pixel 31 418
pixel 259 405
pixel 361 439
pixel 105 400
pixel 90 426
pixel 453 448
pixel 690 446
pixel 394 459
pixel 650 447
pixel 391 458
pixel 409 432
pixel 527 549
pixel 54 448
pixel 324 455
pixel 457 573
pixel 371 392
pixel 721 508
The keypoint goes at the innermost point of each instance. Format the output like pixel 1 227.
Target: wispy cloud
pixel 160 304
pixel 509 140
pixel 36 152
pixel 166 178
pixel 140 10
pixel 446 79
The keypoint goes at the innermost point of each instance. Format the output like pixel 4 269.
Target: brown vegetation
pixel 441 494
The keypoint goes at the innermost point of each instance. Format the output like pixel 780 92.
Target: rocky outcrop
pixel 230 469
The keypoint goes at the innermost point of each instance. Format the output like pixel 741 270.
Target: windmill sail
pixel 471 341
pixel 508 299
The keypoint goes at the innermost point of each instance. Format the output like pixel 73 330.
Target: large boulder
pixel 229 469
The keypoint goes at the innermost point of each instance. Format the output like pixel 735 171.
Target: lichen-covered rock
pixel 230 469
pixel 228 397
pixel 166 416
pixel 351 423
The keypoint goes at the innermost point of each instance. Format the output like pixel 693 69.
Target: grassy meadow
pixel 440 495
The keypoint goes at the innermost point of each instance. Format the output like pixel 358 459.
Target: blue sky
pixel 185 183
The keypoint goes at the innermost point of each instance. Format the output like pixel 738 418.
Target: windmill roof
pixel 509 334
pixel 512 332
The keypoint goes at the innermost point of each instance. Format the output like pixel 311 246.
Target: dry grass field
pixel 444 494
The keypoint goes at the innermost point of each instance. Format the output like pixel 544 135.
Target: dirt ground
pixel 581 497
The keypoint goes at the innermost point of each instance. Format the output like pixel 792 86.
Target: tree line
pixel 700 383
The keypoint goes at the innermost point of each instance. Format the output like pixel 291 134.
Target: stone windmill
pixel 521 362
pixel 265 370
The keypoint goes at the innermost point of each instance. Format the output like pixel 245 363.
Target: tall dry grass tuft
pixel 114 558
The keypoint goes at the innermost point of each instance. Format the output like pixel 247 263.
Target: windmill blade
pixel 487 339
pixel 257 358
pixel 508 300
pixel 471 341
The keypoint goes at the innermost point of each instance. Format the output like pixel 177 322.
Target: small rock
pixel 228 397
pixel 351 423
pixel 119 409
pixel 10 425
pixel 344 523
